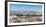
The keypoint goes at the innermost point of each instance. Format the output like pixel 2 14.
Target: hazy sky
pixel 23 7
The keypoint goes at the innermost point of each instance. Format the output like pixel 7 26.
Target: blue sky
pixel 23 7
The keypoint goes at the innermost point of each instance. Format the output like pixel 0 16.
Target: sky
pixel 23 7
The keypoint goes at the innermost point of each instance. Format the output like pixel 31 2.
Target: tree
pixel 27 15
pixel 19 14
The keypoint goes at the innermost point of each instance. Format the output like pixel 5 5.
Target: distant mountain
pixel 24 12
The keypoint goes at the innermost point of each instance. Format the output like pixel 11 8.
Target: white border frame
pixel 25 22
